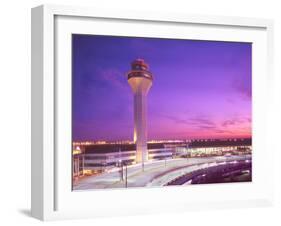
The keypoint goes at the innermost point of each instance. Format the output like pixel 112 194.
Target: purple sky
pixel 201 89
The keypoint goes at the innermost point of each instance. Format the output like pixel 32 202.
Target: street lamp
pixel 121 170
pixel 120 163
pixel 126 176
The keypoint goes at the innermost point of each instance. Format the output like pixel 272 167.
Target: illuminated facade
pixel 140 80
pixel 213 151
pixel 99 158
pixel 99 162
pixel 78 162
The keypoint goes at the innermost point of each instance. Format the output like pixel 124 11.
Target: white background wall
pixel 15 111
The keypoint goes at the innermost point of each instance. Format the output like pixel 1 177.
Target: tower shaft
pixel 140 126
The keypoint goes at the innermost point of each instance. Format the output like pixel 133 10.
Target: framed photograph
pixel 137 112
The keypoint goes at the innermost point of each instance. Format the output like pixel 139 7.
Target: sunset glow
pixel 201 89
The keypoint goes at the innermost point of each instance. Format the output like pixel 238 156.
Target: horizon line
pixel 181 139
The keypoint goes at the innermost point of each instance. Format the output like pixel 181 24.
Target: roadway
pixel 157 173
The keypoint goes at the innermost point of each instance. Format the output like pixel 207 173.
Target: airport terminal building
pixel 96 158
pixel 101 157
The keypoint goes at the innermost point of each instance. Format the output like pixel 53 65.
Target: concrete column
pixel 140 126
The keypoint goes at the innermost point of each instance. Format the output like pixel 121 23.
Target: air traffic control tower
pixel 140 80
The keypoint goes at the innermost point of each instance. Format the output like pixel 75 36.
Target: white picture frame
pixel 52 198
